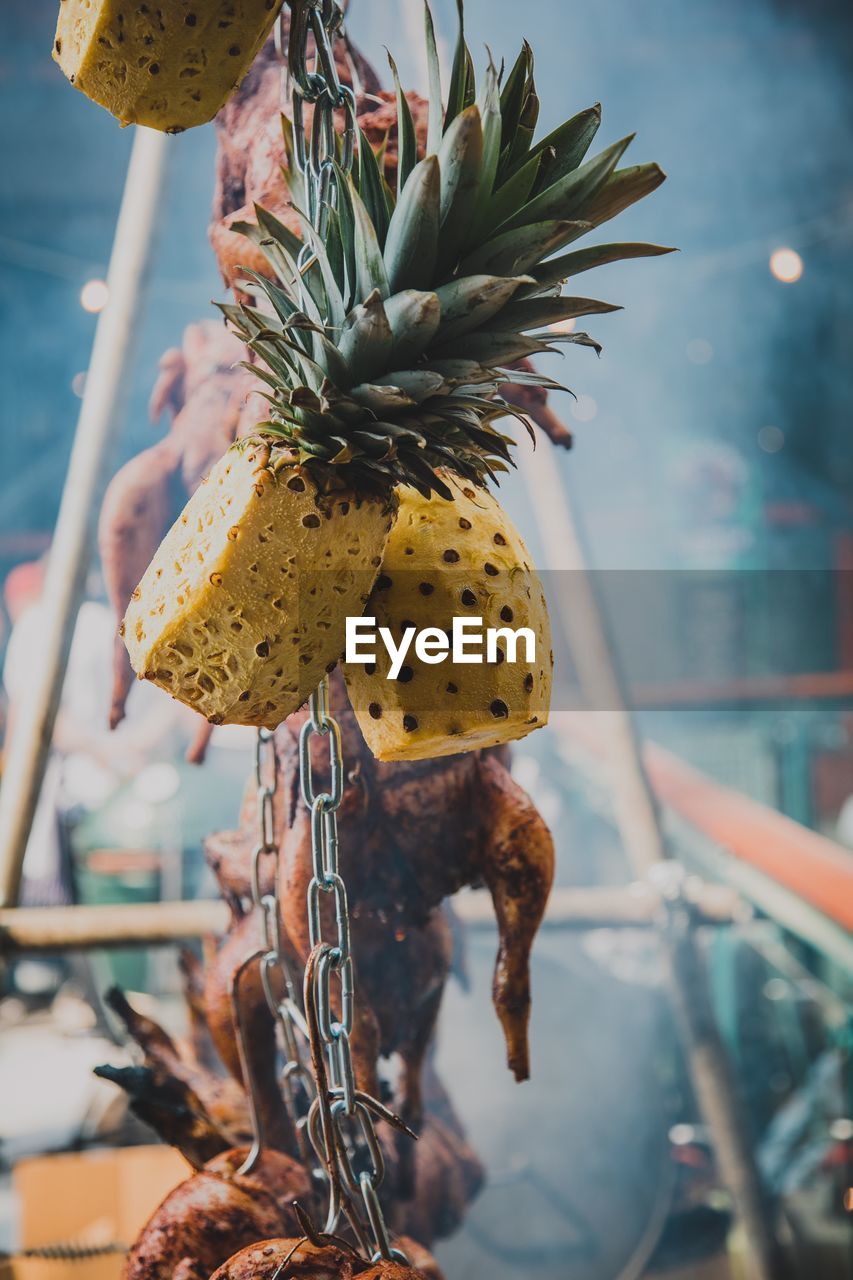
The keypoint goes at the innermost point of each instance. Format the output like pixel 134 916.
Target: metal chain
pixel 341 1121
pixel 324 1104
pixel 297 1081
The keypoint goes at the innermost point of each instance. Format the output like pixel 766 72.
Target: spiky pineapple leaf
pixel 459 94
pixel 460 162
pixel 383 354
pixel 435 123
pixel 369 264
pixel 366 339
pixel 625 187
pixel 471 302
pixel 407 142
pixel 513 195
pixel 371 188
pixel 512 253
pixel 566 146
pixel 530 313
pixel 513 96
pixel 572 193
pixel 411 246
pixel 414 317
pixel 490 118
pixel 571 264
pixel 519 147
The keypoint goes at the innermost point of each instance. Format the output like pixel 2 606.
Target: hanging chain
pixel 323 1101
pixel 341 1120
pixel 297 1081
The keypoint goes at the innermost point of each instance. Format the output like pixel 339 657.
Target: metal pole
pixel 158 923
pixel 586 635
pixel 642 834
pixel 106 379
pixel 25 929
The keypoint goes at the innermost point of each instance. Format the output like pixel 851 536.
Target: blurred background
pixel 710 485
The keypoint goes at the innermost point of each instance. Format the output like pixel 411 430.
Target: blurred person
pixel 88 761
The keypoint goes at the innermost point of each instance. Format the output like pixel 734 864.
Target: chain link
pixel 276 979
pixel 341 1122
pixel 323 1100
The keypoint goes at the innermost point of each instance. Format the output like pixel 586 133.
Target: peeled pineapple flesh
pixel 243 608
pixel 446 559
pixel 168 64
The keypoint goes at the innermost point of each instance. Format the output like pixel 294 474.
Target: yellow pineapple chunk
pixel 446 560
pixel 168 64
pixel 242 610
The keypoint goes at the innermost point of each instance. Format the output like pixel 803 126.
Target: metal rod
pixel 73 539
pixel 639 824
pixel 586 635
pixel 636 906
pixel 80 928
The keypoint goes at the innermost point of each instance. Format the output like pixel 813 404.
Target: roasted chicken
pixel 302 1260
pixel 214 1214
pixel 415 833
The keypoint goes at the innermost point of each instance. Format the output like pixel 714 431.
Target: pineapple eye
pixel 451 556
pixel 410 723
pixel 375 711
pixel 499 709
pixel 406 674
pixel 506 614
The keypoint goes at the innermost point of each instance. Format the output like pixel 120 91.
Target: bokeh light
pixel 94 295
pixel 786 265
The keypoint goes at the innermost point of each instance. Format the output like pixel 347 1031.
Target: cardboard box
pixel 91 1199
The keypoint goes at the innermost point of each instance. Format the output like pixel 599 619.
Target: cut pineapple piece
pixel 243 608
pixel 445 560
pixel 169 65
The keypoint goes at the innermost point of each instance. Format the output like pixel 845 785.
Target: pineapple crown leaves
pixel 384 360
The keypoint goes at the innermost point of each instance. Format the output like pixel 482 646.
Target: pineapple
pixel 226 618
pixel 382 360
pixel 445 560
pixel 169 64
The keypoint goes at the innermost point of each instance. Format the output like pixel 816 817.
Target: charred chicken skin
pixel 302 1260
pixel 214 1214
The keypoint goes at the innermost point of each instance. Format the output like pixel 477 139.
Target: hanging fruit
pixel 169 65
pixel 226 618
pixel 447 560
pixel 382 358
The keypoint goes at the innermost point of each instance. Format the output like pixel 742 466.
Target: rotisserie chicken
pixel 214 1214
